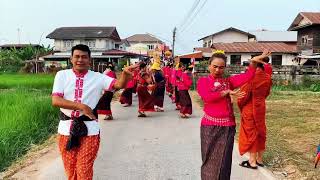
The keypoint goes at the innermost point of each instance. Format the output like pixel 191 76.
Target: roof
pixel 125 41
pixel 229 29
pixel 204 50
pixel 85 32
pixel 196 54
pixel 255 47
pixel 275 36
pixel 311 18
pixel 143 38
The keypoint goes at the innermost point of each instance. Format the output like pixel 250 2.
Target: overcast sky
pixel 37 18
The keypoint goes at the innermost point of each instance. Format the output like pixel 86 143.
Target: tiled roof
pixel 85 32
pixel 254 47
pixel 143 38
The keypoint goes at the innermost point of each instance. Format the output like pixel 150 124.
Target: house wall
pixel 226 37
pixel 100 44
pixel 135 47
pixel 286 58
pixel 313 44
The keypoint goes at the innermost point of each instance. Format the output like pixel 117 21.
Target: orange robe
pixel 252 137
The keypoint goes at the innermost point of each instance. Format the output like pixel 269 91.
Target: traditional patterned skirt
pixel 104 104
pixel 177 97
pixel 126 96
pixel 159 94
pixel 185 102
pixel 146 100
pixel 216 149
pixel 169 88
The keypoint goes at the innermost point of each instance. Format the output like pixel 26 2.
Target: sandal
pixel 142 114
pixel 108 118
pixel 246 164
pixel 260 164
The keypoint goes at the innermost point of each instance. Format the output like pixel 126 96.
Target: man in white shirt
pixel 76 92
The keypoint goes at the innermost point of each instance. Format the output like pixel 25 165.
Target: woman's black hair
pixel 218 55
pixel 142 65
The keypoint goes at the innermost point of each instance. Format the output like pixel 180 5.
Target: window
pixel 150 47
pixel 235 59
pixel 276 60
pixel 210 43
pixel 91 43
pixel 68 43
pixel 205 44
pixel 304 40
pixel 116 46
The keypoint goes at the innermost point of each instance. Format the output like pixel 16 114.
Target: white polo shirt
pixel 84 88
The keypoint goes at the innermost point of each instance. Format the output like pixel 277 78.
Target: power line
pixel 193 18
pixel 190 12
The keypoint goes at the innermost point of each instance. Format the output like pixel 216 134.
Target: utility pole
pixel 18 35
pixel 174 39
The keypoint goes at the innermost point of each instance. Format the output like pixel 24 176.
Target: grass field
pixel 27 81
pixel 27 117
pixel 293 124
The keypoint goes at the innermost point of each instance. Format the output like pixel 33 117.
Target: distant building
pixel 307 24
pixel 240 46
pixel 100 40
pixel 229 35
pixel 282 53
pixel 144 44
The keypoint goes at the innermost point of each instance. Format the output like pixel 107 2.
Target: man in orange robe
pixel 252 137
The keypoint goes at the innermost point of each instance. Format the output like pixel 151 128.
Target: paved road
pixel 160 147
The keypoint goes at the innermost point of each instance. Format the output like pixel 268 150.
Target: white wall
pixel 100 44
pixel 286 58
pixel 227 37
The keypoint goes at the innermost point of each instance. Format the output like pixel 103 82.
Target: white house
pixel 237 53
pixel 144 43
pixel 228 35
pixel 104 42
pixel 97 38
pixel 240 46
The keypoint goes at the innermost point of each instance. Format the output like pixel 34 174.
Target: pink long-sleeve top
pixel 218 110
pixel 185 81
pixel 173 76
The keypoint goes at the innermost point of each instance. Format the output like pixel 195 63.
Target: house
pixel 228 35
pixel 99 39
pixel 240 46
pixel 307 24
pixel 282 53
pixel 144 44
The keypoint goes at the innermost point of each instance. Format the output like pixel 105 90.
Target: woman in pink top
pixel 104 104
pixel 184 84
pixel 218 123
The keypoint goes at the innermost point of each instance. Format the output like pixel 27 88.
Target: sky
pixel 35 19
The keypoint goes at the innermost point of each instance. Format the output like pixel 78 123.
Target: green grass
pixel 23 81
pixel 27 117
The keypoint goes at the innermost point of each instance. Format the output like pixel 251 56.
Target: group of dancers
pixel 150 82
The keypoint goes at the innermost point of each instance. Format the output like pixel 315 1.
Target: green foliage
pixel 12 60
pixel 122 63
